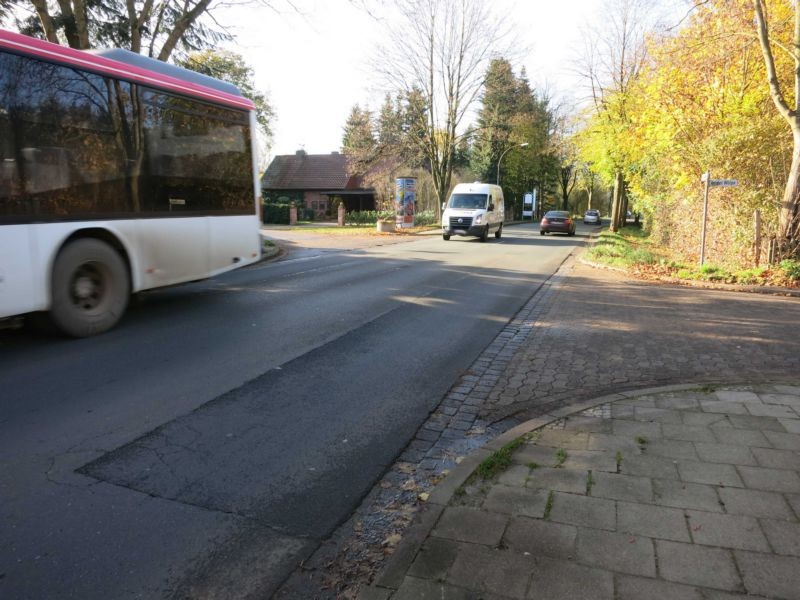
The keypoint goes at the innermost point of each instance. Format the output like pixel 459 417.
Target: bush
pixel 276 214
pixel 366 217
pixel 791 269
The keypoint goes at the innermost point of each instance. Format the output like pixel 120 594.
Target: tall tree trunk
pixel 616 201
pixel 790 206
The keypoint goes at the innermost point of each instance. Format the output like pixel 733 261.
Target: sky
pixel 314 65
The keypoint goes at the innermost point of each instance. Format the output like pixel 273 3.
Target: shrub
pixel 276 213
pixel 366 217
pixel 791 269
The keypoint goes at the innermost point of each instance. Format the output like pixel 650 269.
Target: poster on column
pixel 405 200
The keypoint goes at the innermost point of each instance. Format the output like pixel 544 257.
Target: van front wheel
pixel 485 234
pixel 445 237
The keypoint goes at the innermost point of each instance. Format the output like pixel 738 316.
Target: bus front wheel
pixel 90 287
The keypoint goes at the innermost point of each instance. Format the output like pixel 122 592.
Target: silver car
pixel 592 216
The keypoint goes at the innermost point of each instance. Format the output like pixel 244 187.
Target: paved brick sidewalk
pixel 689 493
pixel 606 333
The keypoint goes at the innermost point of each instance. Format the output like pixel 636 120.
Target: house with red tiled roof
pixel 315 181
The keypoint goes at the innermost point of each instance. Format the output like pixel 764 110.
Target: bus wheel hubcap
pixel 87 287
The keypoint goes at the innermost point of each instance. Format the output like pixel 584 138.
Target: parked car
pixel 592 216
pixel 557 220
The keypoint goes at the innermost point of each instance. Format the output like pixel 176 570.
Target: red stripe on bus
pixel 84 60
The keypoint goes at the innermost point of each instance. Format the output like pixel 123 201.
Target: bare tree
pixel 152 27
pixel 438 51
pixel 790 205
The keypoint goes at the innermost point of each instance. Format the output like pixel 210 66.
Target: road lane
pixel 215 416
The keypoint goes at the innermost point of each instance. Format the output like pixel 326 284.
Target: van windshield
pixel 468 200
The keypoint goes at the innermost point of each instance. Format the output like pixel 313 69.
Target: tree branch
pixel 769 61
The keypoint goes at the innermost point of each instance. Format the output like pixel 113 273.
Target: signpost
pixel 706 178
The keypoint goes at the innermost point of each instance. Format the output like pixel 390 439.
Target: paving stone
pixel 685 495
pixel 617 552
pixel 702 419
pixel 785 399
pixel 689 433
pixel 777 459
pixel 723 407
pixel 725 453
pixel 759 423
pixel 541 538
pixel 544 456
pixel 595 460
pixel 413 588
pixel 470 525
pixel 657 415
pixel 791 425
pixel 652 521
pixel 634 429
pixel 770 575
pixel 639 588
pixel 622 487
pixel 622 411
pixel 515 475
pixel 678 403
pixel 559 579
pixel 755 503
pixel 794 501
pixel 771 480
pixel 561 480
pixel 583 510
pixel 697 565
pixel 737 396
pixel 783 441
pixel 726 531
pixel 434 558
pixel 584 424
pixel 743 437
pixel 569 440
pixel 649 466
pixel 602 441
pixel 516 501
pixel 711 473
pixel 784 537
pixel 672 449
pixel 771 410
pixel 490 570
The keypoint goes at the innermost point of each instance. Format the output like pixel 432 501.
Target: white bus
pixel 118 173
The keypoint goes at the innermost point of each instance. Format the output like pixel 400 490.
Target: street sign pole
pixel 707 179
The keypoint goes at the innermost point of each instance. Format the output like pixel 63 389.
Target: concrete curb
pixel 391 576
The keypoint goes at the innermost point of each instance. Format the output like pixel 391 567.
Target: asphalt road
pixel 206 445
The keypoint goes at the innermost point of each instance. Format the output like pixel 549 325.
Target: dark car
pixel 557 220
pixel 592 216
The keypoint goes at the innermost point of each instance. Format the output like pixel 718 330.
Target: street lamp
pixel 522 145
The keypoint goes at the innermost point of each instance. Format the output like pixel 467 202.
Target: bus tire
pixel 90 288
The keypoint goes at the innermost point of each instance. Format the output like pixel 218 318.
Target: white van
pixel 474 209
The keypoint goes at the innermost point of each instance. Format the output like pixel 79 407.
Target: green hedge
pixel 370 217
pixel 278 213
pixel 366 217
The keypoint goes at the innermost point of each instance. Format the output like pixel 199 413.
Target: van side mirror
pixel 491 207
pixel 444 205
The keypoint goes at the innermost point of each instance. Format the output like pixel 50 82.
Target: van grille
pixel 460 222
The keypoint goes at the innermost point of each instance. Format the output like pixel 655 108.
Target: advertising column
pixel 405 200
